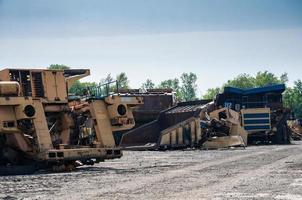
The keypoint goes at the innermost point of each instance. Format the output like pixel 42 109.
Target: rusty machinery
pixel 194 124
pixel 222 129
pixel 155 101
pixel 263 114
pixel 296 128
pixel 176 127
pixel 41 128
pixel 257 113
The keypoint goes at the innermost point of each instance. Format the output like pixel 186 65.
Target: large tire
pixel 282 136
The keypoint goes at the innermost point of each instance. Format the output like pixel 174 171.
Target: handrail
pixel 103 90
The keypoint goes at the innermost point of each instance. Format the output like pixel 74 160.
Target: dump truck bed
pixel 177 127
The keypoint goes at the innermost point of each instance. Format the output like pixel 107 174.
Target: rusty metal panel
pixel 148 133
pixel 153 105
pixel 4 75
pixel 54 85
pixel 152 132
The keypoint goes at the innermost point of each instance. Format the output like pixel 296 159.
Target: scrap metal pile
pixel 43 127
pixel 296 128
pixel 235 118
pixel 188 125
pixel 222 129
pixel 176 127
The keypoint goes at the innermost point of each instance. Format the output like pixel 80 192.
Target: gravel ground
pixel 257 172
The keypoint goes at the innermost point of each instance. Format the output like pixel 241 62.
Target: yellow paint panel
pixel 193 132
pixel 42 133
pixel 165 139
pixel 198 130
pixel 102 123
pixel 173 137
pixel 55 87
pixel 180 136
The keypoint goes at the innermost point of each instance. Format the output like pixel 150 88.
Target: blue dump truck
pixel 263 115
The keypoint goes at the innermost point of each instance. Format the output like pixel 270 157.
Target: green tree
pixel 148 85
pixel 211 93
pixel 58 67
pixel 171 84
pixel 108 79
pixel 266 78
pixel 80 88
pixel 292 98
pixel 261 79
pixel 107 85
pixel 284 78
pixel 189 87
pixel 122 80
pixel 243 81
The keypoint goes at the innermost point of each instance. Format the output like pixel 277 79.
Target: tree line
pixel 185 87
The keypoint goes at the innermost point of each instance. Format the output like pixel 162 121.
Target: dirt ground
pixel 257 172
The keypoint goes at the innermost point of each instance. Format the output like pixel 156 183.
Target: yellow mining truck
pixel 41 128
pixel 263 115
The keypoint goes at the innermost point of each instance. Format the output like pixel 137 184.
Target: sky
pixel 158 39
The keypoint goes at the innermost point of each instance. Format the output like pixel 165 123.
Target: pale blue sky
pixel 158 39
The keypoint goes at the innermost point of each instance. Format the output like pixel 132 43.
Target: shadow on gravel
pixel 269 144
pixel 8 197
pixel 101 170
pixel 122 171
